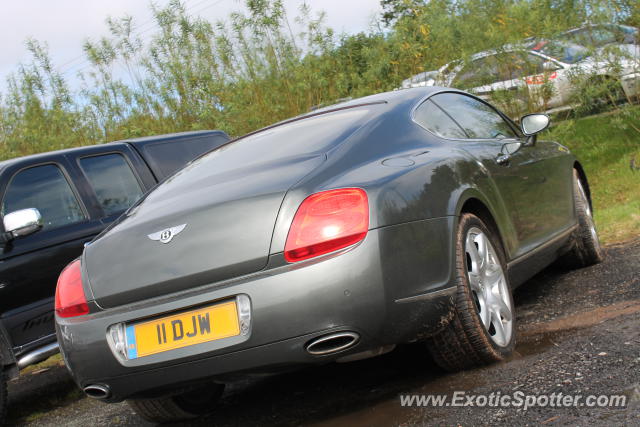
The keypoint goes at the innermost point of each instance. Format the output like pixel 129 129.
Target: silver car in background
pixel 544 73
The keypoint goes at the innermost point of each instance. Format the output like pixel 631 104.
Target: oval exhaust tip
pixel 97 391
pixel 332 343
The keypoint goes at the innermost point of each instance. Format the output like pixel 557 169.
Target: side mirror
pixel 532 124
pixel 511 148
pixel 507 151
pixel 23 222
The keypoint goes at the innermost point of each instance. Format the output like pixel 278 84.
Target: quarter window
pixel 46 189
pixel 431 117
pixel 479 120
pixel 113 182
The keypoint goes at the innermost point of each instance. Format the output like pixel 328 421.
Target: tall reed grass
pixel 254 68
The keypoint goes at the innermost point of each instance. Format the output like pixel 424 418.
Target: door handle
pixel 503 159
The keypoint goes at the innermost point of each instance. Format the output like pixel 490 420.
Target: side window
pixel 170 156
pixel 431 117
pixel 478 119
pixel 46 189
pixel 113 181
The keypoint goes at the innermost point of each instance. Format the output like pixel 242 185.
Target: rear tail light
pixel 327 221
pixel 70 298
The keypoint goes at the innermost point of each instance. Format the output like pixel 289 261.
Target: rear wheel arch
pixel 477 207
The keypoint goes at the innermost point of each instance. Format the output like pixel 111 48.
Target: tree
pixel 392 10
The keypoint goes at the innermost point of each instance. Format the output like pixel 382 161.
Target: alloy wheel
pixel 489 287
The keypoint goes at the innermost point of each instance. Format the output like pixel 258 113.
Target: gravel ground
pixel 578 334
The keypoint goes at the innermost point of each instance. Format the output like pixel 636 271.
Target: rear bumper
pixel 393 287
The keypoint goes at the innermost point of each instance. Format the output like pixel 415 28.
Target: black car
pixel 52 204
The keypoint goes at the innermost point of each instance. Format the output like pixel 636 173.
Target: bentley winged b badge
pixel 166 235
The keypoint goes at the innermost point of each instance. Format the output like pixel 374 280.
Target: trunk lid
pixel 218 231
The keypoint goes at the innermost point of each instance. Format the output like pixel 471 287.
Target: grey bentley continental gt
pixel 336 235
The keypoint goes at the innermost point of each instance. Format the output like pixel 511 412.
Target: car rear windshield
pixel 316 134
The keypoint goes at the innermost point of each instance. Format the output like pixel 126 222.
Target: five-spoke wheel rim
pixel 489 287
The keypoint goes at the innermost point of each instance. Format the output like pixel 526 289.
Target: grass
pixel 55 360
pixel 608 146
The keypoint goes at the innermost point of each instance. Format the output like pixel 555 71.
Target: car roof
pixel 133 141
pixel 394 99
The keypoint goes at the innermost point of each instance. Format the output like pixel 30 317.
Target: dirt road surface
pixel 578 334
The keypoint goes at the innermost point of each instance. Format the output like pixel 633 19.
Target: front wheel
pixel 482 330
pixel 178 407
pixel 586 248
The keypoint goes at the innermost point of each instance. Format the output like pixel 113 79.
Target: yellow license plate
pixel 181 330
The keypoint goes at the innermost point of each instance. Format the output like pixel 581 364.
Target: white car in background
pixel 543 71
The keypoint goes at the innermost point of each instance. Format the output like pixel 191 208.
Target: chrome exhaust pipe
pixel 38 355
pixel 97 391
pixel 332 343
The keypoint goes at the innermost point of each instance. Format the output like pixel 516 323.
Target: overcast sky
pixel 65 24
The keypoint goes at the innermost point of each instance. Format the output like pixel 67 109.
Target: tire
pixel 483 297
pixel 178 407
pixel 3 396
pixel 586 248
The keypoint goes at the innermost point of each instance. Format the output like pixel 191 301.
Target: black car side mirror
pixel 533 124
pixel 22 223
pixel 507 151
